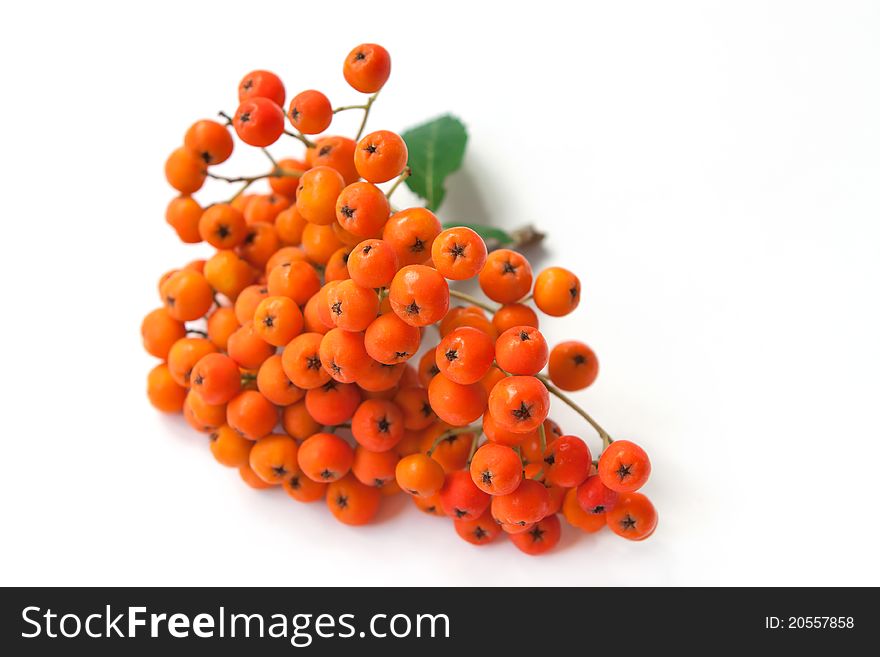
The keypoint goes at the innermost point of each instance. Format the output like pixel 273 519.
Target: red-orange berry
pixel 540 538
pixel 419 295
pixel 594 497
pixel 456 403
pixel 211 140
pixel 417 411
pixel 578 517
pixel 624 466
pixel 633 517
pixel 251 414
pixel 351 502
pixel 506 277
pixel 573 365
pixel 496 469
pixel 222 226
pixel 185 170
pixel 514 314
pixel 519 403
pixel 557 291
pixel 377 425
pixel 367 68
pixel 461 498
pixel 278 320
pixel 374 468
pixel 390 340
pixel 481 531
pixel 521 350
pixel 216 378
pixel 352 306
pixel 301 361
pixel 259 121
pixel 183 214
pixel 529 502
pixel 261 84
pixel 287 181
pixel 336 153
pixel 343 355
pixel 465 355
pixel 380 156
pixel 362 209
pixel 325 457
pixel 372 263
pixel 274 458
pixel 310 112
pixel 317 193
pixel 420 475
pixel 333 403
pixel 459 253
pixel 411 233
pixel 567 462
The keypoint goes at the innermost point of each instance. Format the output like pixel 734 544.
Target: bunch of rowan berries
pixel 293 346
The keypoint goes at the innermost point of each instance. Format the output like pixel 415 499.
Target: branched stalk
pixel 604 435
pixel 367 107
pixel 457 431
pixel 407 172
pixel 298 135
pixel 472 300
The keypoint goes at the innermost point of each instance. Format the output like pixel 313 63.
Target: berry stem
pixel 367 107
pixel 604 435
pixel 454 432
pixel 407 172
pixel 344 108
pixel 224 115
pixel 197 332
pixel 542 433
pixel 474 447
pixel 473 300
pixel 275 166
pixel 298 135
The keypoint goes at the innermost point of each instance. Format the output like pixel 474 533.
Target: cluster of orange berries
pixel 313 309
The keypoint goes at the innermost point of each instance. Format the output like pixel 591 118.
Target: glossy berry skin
pixel 416 409
pixel 496 469
pixel 577 517
pixel 230 448
pixel 310 112
pixel 460 497
pixel 325 457
pixel 465 355
pixel 211 140
pixel 160 331
pixel 420 475
pixel 343 355
pixel 259 122
pixel 164 393
pixel 336 153
pixel 557 291
pixel 278 320
pixel 374 468
pixel 567 462
pixel 372 263
pixel 216 378
pixel 187 295
pixel 481 531
pixel 183 214
pixel 333 403
pixel 367 68
pixel 380 156
pixel 183 356
pixel 390 340
pixel 506 277
pixel 503 436
pixel 519 403
pixel 352 307
pixel 514 314
pixel 247 348
pixel 185 170
pixel 297 280
pixel 455 403
pixel 261 84
pixel 286 185
pixel 249 477
pixel 362 209
pixel 542 537
pixel 351 502
pixel 317 193
pixel 251 414
pixel 633 517
pixel 274 458
pixel 222 226
pixel 228 273
pixel 521 350
pixel 624 466
pixel 573 365
pixel 274 385
pixel 301 361
pixel 377 425
pixel 419 295
pixel 528 503
pixel 459 253
pixel 594 497
pixel 411 233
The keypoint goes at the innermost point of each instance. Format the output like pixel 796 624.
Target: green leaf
pixel 436 149
pixel 486 232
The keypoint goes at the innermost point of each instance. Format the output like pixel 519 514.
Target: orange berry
pixel 303 489
pixel 506 277
pixel 377 425
pixel 374 468
pixel 496 469
pixel 351 502
pixel 183 214
pixel 465 355
pixel 230 448
pixel 372 263
pixel 286 184
pixel 259 243
pixel 202 416
pixel 301 361
pixel 503 436
pixel 296 280
pixel 163 391
pixel 573 365
pixel 261 84
pixel 633 517
pixel 297 422
pixel 459 253
pixel 557 291
pixel 336 153
pixel 352 307
pixel 390 340
pixel 284 255
pixel 325 457
pixel 251 414
pixel 317 193
pixel 577 517
pixel 274 457
pixel 367 68
pixel 319 243
pixel 428 367
pixel 521 350
pixel 310 112
pixel 222 226
pixel 183 356
pixel 259 121
pixel 216 378
pixel 274 385
pixel 514 314
pixel 278 320
pixel 343 355
pixel 333 403
pixel 413 403
pixel 251 479
pixel 247 348
pixel 419 295
pixel 228 273
pixel 337 266
pixel 211 140
pixel 362 209
pixel 420 475
pixel 540 538
pixel 265 208
pixel 247 301
pixel 160 331
pixel 481 531
pixel 187 295
pixel 456 403
pixel 185 170
pixel 380 156
pixel 519 403
pixel 411 233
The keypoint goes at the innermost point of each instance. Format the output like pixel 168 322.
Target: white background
pixel 709 169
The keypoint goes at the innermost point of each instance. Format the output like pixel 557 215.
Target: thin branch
pixel 367 107
pixel 473 300
pixel 407 172
pixel 604 435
